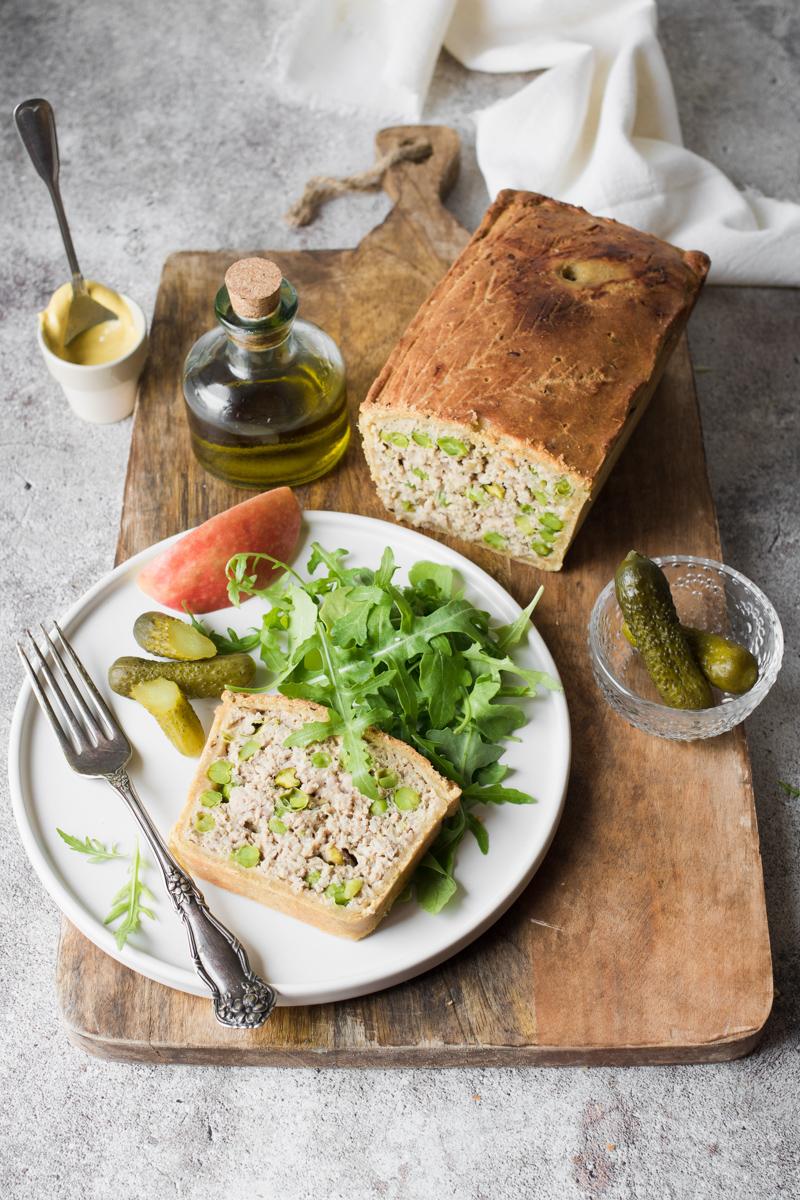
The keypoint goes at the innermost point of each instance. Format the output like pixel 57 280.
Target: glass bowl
pixel 709 596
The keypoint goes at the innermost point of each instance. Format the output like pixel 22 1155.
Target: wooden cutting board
pixel 643 938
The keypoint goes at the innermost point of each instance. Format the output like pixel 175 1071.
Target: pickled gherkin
pixel 207 677
pixel 645 599
pixel 165 701
pixel 725 664
pixel 170 637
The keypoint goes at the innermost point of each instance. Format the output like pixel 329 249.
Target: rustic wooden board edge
pixel 727 1047
pixel 418 1057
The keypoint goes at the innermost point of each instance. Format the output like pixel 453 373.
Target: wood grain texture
pixel 643 937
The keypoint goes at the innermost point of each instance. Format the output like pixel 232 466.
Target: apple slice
pixel 191 572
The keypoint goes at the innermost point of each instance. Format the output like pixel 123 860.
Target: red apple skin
pixel 191 572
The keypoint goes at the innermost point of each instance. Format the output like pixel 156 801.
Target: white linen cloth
pixel 598 127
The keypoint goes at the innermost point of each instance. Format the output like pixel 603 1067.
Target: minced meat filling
pixel 294 814
pixel 457 484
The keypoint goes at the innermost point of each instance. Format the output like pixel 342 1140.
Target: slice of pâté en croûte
pixel 285 826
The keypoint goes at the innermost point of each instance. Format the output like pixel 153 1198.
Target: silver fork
pixel 94 744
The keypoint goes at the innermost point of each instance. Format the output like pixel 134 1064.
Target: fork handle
pixel 241 999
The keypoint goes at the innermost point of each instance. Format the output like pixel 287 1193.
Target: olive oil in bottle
pixel 265 392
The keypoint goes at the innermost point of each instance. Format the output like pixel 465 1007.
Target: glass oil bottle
pixel 265 391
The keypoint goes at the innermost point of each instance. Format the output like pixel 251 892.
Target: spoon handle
pixel 36 125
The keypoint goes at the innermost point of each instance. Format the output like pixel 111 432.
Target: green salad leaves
pixel 127 902
pixel 420 662
pixel 95 850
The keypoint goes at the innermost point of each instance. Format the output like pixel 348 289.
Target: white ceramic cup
pixel 105 392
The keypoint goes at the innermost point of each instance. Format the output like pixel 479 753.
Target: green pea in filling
pixel 394 439
pixel 452 446
pixel 247 856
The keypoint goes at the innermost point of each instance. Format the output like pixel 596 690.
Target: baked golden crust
pixel 274 892
pixel 549 331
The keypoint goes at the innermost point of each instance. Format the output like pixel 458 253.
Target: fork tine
pixel 89 717
pixel 46 706
pixel 69 717
pixel 103 711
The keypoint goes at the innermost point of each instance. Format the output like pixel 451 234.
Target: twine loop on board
pixel 322 188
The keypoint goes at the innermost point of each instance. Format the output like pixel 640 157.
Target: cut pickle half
pixel 165 701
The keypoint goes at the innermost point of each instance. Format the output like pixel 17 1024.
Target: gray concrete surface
pixel 174 136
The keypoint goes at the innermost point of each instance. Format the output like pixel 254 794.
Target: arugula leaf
pixel 457 616
pixel 450 834
pixel 405 689
pixel 441 680
pixel 128 903
pixel 512 635
pixel 333 561
pixel 433 886
pixel 233 643
pixel 301 625
pixel 315 731
pixel 433 577
pixel 351 628
pixel 421 662
pixel 791 791
pixel 466 750
pixel 492 774
pixel 94 849
pixel 385 572
pixel 241 581
pixel 354 748
pixel 479 830
pixel 493 721
pixel 495 794
pixel 485 662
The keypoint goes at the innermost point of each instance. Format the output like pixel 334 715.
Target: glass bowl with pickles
pixel 683 647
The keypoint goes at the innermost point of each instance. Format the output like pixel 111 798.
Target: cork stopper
pixel 254 287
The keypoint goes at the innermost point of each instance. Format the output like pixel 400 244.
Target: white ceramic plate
pixel 306 966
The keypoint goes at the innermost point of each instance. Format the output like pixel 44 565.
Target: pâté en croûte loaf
pixel 504 406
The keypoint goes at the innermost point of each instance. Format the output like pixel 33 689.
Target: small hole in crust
pixel 595 272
